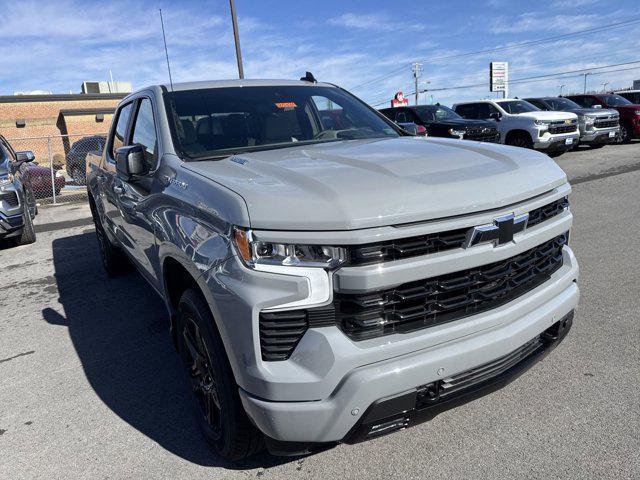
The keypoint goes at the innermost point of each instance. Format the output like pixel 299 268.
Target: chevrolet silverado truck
pixel 524 125
pixel 18 205
pixel 598 127
pixel 629 112
pixel 441 121
pixel 330 282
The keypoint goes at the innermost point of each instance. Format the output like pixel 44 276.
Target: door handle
pixel 118 189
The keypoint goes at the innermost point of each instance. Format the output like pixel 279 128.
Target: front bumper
pixel 11 217
pixel 504 330
pixel 556 142
pixel 599 136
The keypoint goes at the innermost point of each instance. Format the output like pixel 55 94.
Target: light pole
pixel 604 86
pixel 561 87
pixel 236 37
pixel 585 80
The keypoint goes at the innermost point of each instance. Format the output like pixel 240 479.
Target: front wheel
pixel 28 234
pixel 625 133
pixel 218 407
pixel 521 140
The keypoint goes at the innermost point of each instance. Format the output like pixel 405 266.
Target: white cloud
pixel 374 22
pixel 540 21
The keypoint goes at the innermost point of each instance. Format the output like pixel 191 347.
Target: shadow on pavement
pixel 119 329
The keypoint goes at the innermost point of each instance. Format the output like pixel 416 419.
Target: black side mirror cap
pixel 495 116
pixel 130 162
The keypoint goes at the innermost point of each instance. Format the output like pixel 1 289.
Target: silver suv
pixel 328 277
pixel 522 124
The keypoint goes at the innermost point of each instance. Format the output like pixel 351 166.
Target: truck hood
pixel 370 183
pixel 546 115
pixel 594 112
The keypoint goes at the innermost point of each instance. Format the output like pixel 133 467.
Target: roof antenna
pixel 309 78
pixel 166 52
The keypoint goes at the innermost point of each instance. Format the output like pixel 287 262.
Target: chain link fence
pixel 57 175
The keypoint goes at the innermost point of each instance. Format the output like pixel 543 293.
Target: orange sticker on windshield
pixel 286 105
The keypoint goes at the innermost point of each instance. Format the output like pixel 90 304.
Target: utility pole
pixel 417 68
pixel 585 80
pixel 236 37
pixel 561 87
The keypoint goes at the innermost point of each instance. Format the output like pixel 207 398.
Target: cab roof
pixel 178 87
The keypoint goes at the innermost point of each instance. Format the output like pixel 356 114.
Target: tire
pixel 114 260
pixel 596 146
pixel 219 411
pixel 28 234
pixel 625 133
pixel 521 140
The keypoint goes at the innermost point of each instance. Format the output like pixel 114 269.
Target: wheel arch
pixel 515 132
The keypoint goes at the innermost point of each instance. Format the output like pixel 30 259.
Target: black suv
pixel 77 156
pixel 17 201
pixel 441 121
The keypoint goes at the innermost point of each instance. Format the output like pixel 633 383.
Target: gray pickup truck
pixel 328 277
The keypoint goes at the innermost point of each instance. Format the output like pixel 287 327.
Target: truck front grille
pixel 556 129
pixel 449 297
pixel 606 123
pixel 10 198
pixel 436 242
pixel 483 134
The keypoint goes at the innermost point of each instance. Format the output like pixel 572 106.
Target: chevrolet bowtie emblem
pixel 501 231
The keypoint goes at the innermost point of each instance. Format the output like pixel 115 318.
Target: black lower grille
pixel 446 298
pixel 606 123
pixel 11 198
pixel 492 137
pixel 436 242
pixel 563 129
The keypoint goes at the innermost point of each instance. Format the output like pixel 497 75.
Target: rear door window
pixel 469 110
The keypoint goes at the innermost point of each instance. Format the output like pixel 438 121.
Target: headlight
pixel 638 112
pixel 254 252
pixel 589 120
pixel 6 179
pixel 542 123
pixel 457 133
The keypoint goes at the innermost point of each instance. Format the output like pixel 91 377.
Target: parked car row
pixel 550 124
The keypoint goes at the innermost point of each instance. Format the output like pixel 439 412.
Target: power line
pixel 538 78
pixel 528 43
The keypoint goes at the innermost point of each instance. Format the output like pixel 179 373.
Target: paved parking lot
pixel 90 386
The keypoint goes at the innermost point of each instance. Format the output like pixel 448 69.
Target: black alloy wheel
pixel 201 374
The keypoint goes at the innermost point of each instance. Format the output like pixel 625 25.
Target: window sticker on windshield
pixel 286 105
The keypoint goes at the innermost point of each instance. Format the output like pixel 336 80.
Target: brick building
pixel 27 120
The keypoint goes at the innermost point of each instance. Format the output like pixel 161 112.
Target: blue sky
pixel 57 45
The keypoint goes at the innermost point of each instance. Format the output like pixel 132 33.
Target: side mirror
pixel 130 162
pixel 495 116
pixel 597 106
pixel 25 156
pixel 411 128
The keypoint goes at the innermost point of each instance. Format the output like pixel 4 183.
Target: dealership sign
pixel 399 100
pixel 499 76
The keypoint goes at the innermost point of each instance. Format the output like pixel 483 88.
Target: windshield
pixel 224 121
pixel 615 100
pixel 518 106
pixel 560 104
pixel 436 113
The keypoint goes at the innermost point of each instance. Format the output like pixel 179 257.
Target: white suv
pixel 524 125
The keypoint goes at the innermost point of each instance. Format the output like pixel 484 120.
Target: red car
pixel 629 112
pixel 40 178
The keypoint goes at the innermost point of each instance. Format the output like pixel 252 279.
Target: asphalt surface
pixel 90 386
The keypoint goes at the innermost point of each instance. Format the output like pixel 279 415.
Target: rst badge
pixel 501 231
